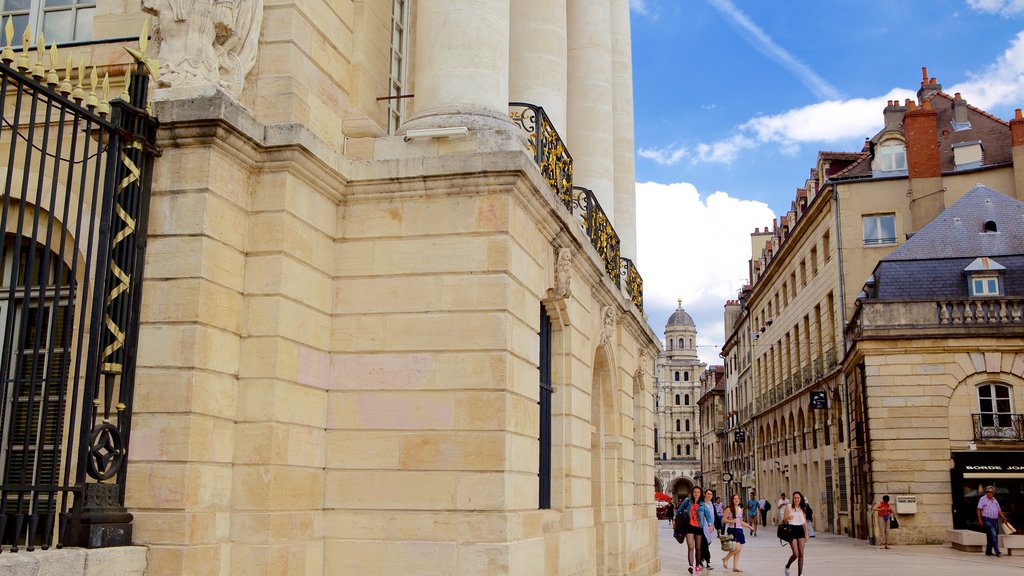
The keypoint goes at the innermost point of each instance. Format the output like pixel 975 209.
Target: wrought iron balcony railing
pixel 1006 427
pixel 830 359
pixel 634 283
pixel 819 368
pixel 805 374
pixel 549 152
pixel 555 163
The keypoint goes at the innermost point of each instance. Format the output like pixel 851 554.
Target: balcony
pixel 555 163
pixel 995 317
pixel 998 427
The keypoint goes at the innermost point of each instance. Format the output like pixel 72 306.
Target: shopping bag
pixel 1008 528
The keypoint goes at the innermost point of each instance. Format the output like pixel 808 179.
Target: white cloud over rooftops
pixel 675 225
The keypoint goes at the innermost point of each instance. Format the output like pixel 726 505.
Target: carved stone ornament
pixel 643 358
pixel 563 275
pixel 608 319
pixel 203 42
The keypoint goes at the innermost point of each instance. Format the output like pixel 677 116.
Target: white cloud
pixel 638 6
pixel 674 228
pixel 667 156
pixel 1000 83
pixel 760 40
pixel 721 152
pixel 1004 7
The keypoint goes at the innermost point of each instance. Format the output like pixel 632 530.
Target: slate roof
pixel 958 232
pixel 930 265
pixel 993 133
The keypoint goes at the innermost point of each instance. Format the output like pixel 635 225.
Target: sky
pixel 733 99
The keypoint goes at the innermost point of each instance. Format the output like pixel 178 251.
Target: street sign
pixel 819 400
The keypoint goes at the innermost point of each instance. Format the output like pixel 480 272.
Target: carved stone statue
pixel 643 358
pixel 203 42
pixel 563 275
pixel 608 319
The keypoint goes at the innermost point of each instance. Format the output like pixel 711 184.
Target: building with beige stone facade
pixel 390 323
pixel 794 402
pixel 677 376
pixel 711 406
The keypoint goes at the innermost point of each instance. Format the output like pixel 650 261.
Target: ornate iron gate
pixel 77 175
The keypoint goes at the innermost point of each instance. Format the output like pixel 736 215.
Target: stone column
pixel 461 64
pixel 589 112
pixel 622 118
pixel 538 57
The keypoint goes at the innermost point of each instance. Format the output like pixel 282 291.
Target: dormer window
pixel 990 227
pixel 891 156
pixel 967 155
pixel 984 277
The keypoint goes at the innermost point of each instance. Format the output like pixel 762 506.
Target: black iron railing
pixel 598 228
pixel 555 162
pixel 549 152
pixel 634 283
pixel 77 173
pixel 1001 426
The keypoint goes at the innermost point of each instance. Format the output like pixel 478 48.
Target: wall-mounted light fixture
pixel 436 132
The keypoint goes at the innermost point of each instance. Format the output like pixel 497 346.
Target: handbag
pixel 893 523
pixel 785 532
pixel 728 544
pixel 1008 528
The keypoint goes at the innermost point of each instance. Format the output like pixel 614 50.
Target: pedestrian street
pixel 831 555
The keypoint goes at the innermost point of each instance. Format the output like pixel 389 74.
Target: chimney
pixel 893 115
pixel 960 120
pixel 928 85
pixel 1017 129
pixel 922 134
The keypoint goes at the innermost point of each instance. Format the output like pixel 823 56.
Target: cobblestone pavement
pixel 829 555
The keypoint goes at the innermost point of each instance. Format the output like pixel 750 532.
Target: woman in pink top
pixel 885 514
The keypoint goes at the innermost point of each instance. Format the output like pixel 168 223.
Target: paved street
pixel 841 556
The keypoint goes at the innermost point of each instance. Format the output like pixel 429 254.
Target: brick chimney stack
pixel 1017 129
pixel 1017 141
pixel 893 115
pixel 929 86
pixel 960 120
pixel 922 133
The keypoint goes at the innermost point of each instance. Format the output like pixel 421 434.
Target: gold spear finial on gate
pixel 39 70
pixel 52 79
pixel 26 43
pixel 8 53
pixel 92 101
pixel 104 107
pixel 126 95
pixel 65 86
pixel 149 64
pixel 78 94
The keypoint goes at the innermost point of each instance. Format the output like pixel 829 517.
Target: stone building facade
pixel 794 403
pixel 383 331
pixel 936 368
pixel 677 386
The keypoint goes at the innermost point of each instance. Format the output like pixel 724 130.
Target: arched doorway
pixel 602 454
pixel 659 486
pixel 681 487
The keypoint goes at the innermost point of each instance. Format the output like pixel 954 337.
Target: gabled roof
pixel 959 231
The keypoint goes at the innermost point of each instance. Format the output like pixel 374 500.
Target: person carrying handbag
pixel 691 517
pixel 795 514
pixel 989 514
pixel 886 516
pixel 734 525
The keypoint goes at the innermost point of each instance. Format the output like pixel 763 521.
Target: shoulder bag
pixel 893 523
pixel 785 532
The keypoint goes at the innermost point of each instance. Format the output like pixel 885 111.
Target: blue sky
pixel 734 98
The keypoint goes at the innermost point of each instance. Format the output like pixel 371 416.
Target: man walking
pixel 782 503
pixel 764 506
pixel 752 513
pixel 989 514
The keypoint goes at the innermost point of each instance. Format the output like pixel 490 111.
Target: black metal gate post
pixel 72 246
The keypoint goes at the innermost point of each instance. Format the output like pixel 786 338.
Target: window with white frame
pixel 891 156
pixel 984 285
pixel 59 21
pixel 995 410
pixel 879 229
pixel 399 62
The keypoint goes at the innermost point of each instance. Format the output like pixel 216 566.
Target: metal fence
pixel 77 174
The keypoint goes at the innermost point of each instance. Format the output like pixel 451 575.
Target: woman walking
pixel 885 514
pixel 691 517
pixel 709 532
pixel 795 514
pixel 734 525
